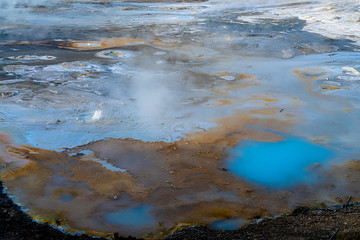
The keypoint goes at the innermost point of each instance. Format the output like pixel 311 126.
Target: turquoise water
pixel 136 217
pixel 280 164
pixel 228 224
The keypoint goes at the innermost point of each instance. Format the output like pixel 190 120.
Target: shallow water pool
pixel 228 224
pixel 133 217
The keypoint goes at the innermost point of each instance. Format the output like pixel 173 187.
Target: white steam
pixel 155 95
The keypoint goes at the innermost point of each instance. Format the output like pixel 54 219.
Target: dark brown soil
pixel 302 223
pixel 338 222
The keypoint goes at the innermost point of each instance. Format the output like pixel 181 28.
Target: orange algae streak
pixel 299 73
pixel 241 81
pixel 221 92
pixel 165 43
pixel 13 158
pixel 224 102
pixel 238 86
pixel 233 129
pixel 245 76
pixel 270 99
pixel 309 76
pixel 329 88
pixel 263 112
pixel 102 44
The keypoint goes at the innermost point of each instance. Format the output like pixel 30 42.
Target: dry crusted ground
pixel 339 222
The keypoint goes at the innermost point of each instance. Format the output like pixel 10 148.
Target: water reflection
pixel 228 224
pixel 136 217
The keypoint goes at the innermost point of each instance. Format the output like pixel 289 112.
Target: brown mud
pixel 341 222
pixel 184 182
pixel 16 225
pixel 162 174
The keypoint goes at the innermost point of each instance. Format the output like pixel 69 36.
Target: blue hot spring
pixel 277 164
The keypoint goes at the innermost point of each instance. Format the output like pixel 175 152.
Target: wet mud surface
pixel 15 224
pixel 338 222
pixel 183 183
pixel 141 117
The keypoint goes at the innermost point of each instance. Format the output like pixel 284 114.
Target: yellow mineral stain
pixel 263 112
pixel 347 109
pixel 222 74
pixel 353 164
pixel 289 116
pixel 329 88
pixel 220 92
pixel 245 76
pixel 241 76
pixel 232 85
pixel 223 102
pixel 299 73
pixel 270 99
pixel 238 86
pixel 232 130
pixel 266 99
pixel 308 76
pixel 13 158
pixel 158 42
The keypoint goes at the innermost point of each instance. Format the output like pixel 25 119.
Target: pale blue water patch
pixel 228 224
pixel 135 217
pixel 108 166
pixel 66 197
pixel 85 152
pixel 281 164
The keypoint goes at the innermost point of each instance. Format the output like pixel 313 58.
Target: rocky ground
pixel 338 222
pixel 302 223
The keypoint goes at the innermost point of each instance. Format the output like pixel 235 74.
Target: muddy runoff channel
pixel 142 118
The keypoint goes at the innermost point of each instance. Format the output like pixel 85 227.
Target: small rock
pixel 8 94
pixel 228 78
pixel 288 53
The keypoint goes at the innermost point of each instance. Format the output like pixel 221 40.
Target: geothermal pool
pixel 141 117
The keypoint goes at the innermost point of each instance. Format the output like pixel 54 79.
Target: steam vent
pixel 142 117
